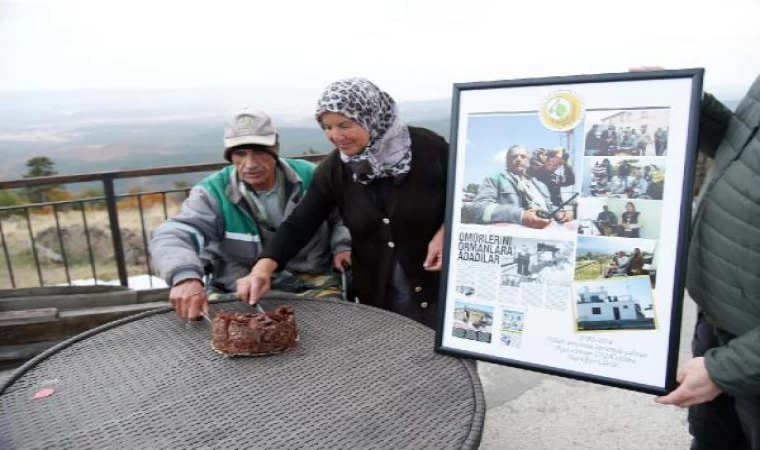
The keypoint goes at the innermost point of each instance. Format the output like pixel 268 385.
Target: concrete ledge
pixel 68 323
pixel 59 290
pixel 28 316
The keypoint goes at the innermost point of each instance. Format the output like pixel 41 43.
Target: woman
pixel 636 266
pixel 630 221
pixel 388 181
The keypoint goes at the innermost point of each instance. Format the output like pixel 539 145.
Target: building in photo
pixel 599 308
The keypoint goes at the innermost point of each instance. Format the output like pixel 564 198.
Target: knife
pixel 205 317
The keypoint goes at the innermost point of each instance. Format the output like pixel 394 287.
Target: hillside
pixel 128 145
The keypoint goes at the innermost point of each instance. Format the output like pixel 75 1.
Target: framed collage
pixel 568 209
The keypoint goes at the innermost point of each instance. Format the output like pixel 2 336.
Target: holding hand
pixel 531 220
pixel 188 298
pixel 695 388
pixel 341 259
pixel 252 287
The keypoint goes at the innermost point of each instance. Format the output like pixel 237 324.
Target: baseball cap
pixel 249 127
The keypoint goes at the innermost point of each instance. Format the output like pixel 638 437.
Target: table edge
pixel 472 440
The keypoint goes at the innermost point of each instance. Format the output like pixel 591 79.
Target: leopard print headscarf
pixel 388 154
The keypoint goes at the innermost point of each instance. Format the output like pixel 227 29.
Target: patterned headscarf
pixel 388 154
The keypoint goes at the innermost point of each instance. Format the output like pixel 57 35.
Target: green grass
pixel 591 269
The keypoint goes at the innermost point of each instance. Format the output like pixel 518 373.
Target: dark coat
pixel 723 274
pixel 415 210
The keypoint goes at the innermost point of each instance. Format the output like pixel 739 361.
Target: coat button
pixel 423 305
pixel 391 244
pixel 386 221
pixel 418 289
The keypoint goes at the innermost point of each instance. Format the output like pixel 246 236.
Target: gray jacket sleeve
pixel 735 367
pixel 713 124
pixel 340 237
pixel 489 208
pixel 175 245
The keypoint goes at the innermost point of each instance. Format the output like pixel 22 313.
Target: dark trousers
pixel 398 298
pixel 728 422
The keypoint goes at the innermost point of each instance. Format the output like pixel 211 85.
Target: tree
pixel 472 188
pixel 40 166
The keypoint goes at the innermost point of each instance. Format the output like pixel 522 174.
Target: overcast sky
pixel 414 49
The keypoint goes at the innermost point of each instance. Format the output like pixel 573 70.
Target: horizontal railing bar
pixel 132 173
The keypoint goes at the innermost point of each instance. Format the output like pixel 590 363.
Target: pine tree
pixel 39 166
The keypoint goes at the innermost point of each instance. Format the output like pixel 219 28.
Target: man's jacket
pixel 723 274
pixel 217 225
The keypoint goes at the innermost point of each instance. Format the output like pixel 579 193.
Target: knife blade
pixel 206 317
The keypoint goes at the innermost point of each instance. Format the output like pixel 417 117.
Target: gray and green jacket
pixel 723 275
pixel 217 224
pixel 500 200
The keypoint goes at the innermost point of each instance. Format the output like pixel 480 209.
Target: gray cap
pixel 249 127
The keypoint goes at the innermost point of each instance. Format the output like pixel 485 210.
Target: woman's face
pixel 630 208
pixel 348 136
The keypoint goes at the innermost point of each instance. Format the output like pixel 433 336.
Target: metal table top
pixel 360 378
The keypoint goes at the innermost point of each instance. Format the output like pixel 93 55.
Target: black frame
pixel 696 75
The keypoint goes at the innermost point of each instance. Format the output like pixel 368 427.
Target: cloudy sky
pixel 414 49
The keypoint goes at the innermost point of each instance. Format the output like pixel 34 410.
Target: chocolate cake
pixel 236 334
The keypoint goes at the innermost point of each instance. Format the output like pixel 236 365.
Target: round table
pixel 360 378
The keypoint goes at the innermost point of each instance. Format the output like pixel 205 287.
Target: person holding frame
pixel 721 384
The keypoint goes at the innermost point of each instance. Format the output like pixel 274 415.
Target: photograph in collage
pixel 627 132
pixel 619 217
pixel 601 258
pixel 614 304
pixel 636 178
pixel 473 321
pixel 538 261
pixel 512 323
pixel 518 173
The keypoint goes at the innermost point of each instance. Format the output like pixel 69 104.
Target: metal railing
pixel 110 200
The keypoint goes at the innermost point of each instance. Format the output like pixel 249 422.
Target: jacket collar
pixel 291 178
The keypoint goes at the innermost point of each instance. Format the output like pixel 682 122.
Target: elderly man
pixel 231 214
pixel 513 196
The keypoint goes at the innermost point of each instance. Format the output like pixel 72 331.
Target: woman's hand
pixel 252 287
pixel 434 260
pixel 342 259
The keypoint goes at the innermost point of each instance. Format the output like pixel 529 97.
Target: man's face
pixel 517 161
pixel 255 167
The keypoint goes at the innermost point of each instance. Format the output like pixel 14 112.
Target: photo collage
pixel 562 221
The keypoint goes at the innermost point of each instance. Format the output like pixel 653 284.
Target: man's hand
pixel 695 388
pixel 252 287
pixel 434 259
pixel 564 216
pixel 188 298
pixel 341 259
pixel 531 220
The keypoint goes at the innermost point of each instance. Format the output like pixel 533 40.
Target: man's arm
pixel 486 207
pixel 178 241
pixel 713 124
pixel 733 368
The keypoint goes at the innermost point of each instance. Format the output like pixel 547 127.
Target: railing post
pixel 113 219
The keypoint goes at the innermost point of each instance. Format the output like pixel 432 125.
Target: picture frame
pixel 567 217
